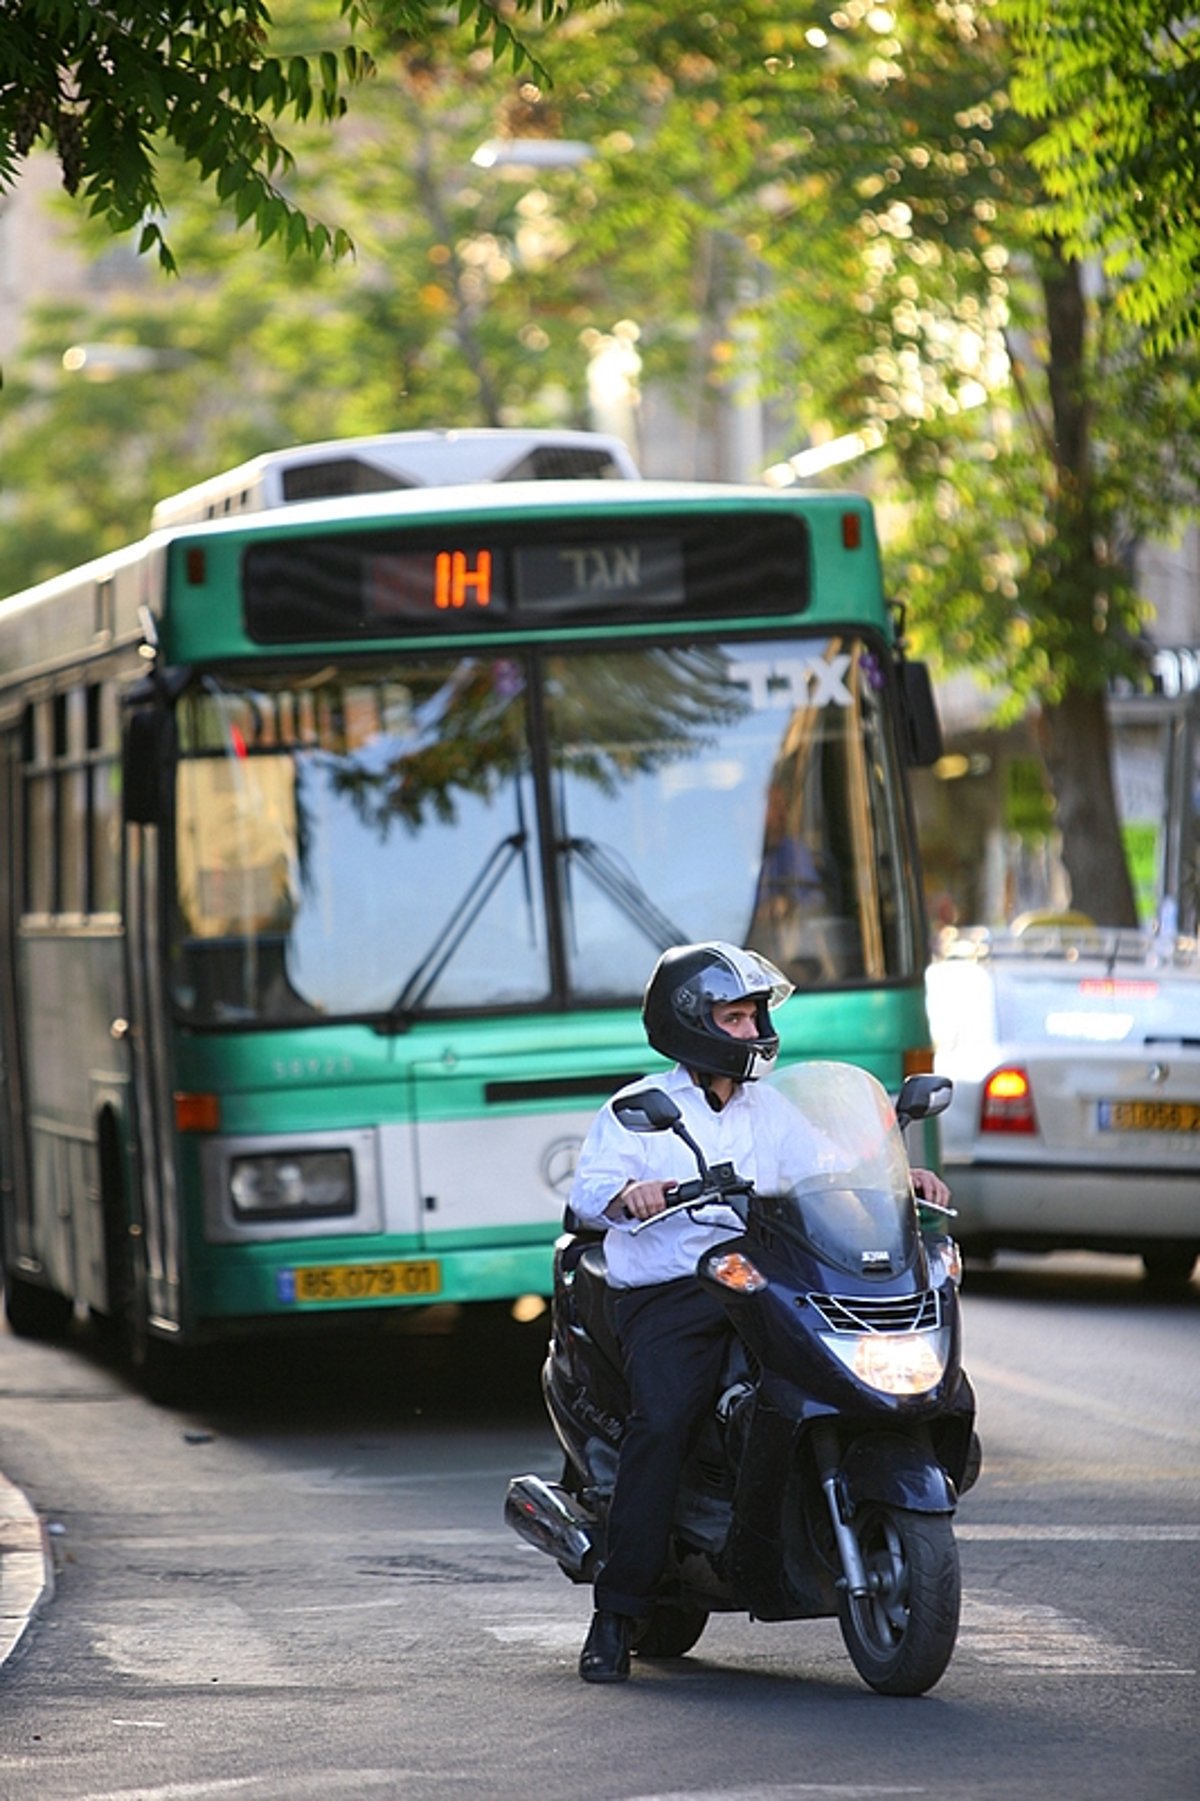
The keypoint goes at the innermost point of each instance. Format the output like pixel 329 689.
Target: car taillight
pixel 1007 1102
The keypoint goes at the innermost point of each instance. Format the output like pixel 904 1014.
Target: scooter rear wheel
pixel 901 1635
pixel 669 1632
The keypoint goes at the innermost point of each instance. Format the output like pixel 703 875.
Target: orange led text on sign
pixel 455 581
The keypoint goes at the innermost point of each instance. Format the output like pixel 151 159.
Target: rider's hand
pixel 930 1187
pixel 640 1200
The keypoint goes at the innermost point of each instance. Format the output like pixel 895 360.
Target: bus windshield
pixel 495 829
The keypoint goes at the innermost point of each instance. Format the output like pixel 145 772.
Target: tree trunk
pixel 465 314
pixel 1074 730
pixel 1075 744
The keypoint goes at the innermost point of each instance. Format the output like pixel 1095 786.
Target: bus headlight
pixel 895 1363
pixel 292 1185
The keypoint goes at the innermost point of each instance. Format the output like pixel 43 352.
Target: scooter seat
pixel 593 1303
pixel 593 1261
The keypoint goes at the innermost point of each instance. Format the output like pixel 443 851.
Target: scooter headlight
pixel 895 1363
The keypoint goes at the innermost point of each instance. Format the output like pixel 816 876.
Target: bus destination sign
pixel 377 584
pixel 559 577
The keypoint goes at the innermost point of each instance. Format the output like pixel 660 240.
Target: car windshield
pixel 474 832
pixel 1088 986
pixel 1041 1007
pixel 854 1205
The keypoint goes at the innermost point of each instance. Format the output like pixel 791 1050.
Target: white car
pixel 1075 1123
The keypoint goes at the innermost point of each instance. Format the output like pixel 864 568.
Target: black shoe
pixel 605 1654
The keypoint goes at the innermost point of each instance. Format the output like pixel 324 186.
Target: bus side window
pixel 71 780
pixel 103 800
pixel 38 784
pixel 70 802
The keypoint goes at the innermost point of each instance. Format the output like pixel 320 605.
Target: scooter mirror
pixel 922 1097
pixel 648 1110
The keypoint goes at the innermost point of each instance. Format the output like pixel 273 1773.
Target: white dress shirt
pixel 760 1132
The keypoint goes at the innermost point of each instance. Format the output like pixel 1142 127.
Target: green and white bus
pixel 338 837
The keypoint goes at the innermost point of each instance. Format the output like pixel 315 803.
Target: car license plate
pixel 1150 1116
pixel 360 1281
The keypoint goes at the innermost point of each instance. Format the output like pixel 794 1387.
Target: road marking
pixel 1058 1396
pixel 1028 1635
pixel 323 1607
pixel 786 1791
pixel 355 1478
pixel 996 1629
pixel 179 1791
pixel 1099 1535
pixel 546 1634
pixel 320 1782
pixel 237 1539
pixel 210 1636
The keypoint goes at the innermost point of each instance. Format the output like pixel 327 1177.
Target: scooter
pixel 826 1480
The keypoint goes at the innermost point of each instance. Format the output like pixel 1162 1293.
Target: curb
pixel 26 1569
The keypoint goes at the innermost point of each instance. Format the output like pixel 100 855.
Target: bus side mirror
pixel 143 756
pixel 921 715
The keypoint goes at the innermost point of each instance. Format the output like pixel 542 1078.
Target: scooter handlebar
pixel 694 1196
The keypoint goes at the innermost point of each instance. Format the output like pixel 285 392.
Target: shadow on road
pixel 464 1366
pixel 1080 1278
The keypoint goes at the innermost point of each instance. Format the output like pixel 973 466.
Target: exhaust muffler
pixel 549 1519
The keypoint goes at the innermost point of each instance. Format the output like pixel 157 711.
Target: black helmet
pixel 687 983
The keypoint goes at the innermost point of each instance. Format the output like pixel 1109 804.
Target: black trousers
pixel 673 1339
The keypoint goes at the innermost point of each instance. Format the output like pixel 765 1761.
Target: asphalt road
pixel 305 1589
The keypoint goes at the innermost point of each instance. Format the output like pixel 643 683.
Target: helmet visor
pixel 731 975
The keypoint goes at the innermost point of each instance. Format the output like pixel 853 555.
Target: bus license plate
pixel 1150 1116
pixel 361 1281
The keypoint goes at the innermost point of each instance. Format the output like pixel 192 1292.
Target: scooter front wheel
pixel 901 1634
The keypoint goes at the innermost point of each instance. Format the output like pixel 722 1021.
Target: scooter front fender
pixel 897 1472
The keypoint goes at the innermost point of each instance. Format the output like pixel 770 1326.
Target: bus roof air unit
pixel 393 460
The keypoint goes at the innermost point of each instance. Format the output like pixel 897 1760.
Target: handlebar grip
pixel 678 1195
pixel 670 1195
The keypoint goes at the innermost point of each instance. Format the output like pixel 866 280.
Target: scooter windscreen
pixel 852 1202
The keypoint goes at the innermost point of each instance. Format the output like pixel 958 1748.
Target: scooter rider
pixel 707 1006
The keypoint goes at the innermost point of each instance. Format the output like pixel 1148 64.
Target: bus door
pixel 153 1212
pixel 16 1193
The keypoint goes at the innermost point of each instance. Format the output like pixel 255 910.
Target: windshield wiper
pixel 624 890
pixel 479 891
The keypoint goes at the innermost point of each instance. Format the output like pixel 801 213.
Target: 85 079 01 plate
pixel 314 1283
